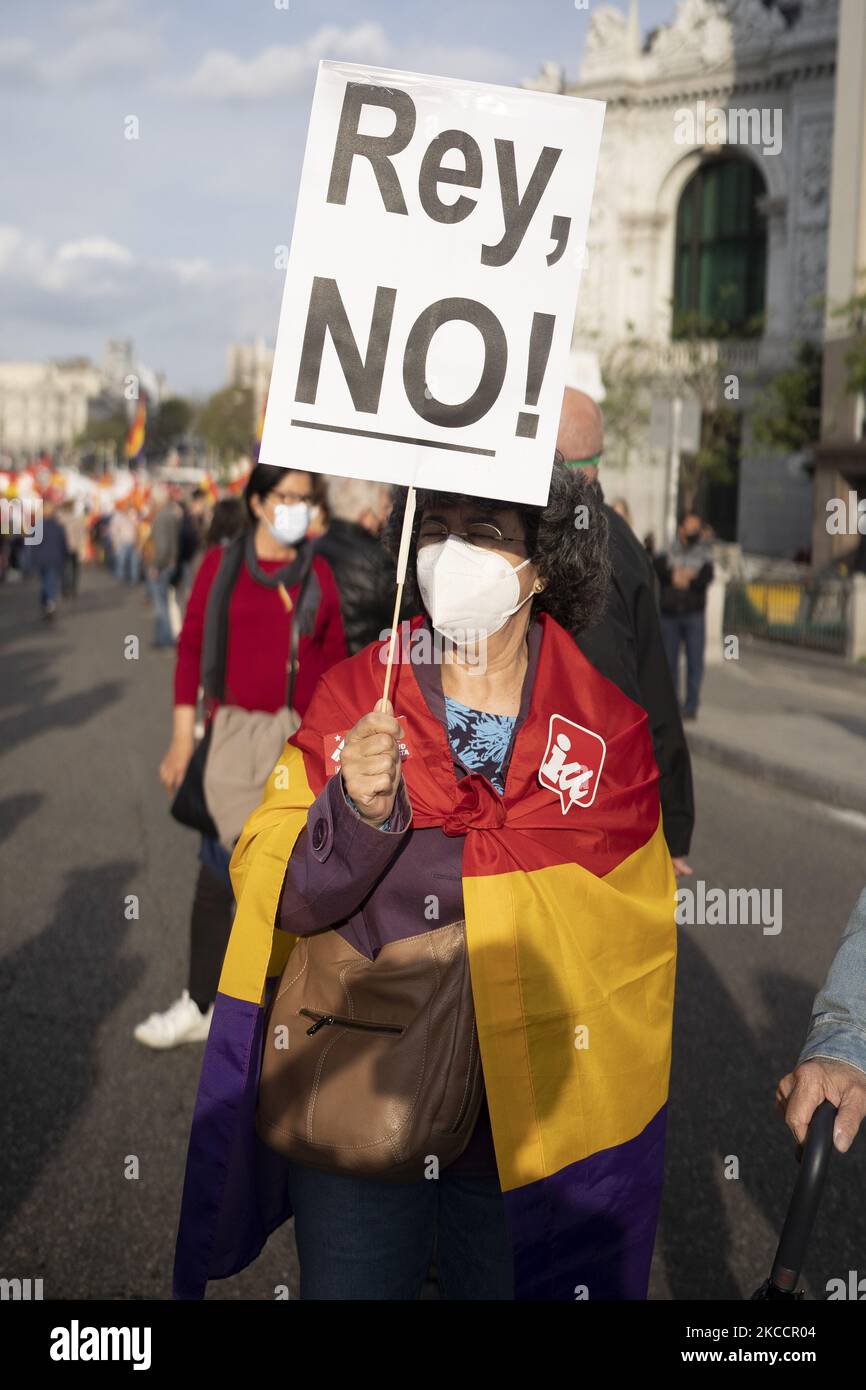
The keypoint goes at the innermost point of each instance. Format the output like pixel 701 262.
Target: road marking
pixel 852 818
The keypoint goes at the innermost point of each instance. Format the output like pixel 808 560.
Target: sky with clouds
pixel 169 239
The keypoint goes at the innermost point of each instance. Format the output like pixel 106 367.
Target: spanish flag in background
pixel 135 438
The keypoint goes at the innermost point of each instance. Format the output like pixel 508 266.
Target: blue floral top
pixel 480 740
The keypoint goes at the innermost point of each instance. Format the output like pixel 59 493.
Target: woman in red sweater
pixel 237 634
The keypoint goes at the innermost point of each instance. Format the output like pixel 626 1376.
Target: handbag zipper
pixel 322 1019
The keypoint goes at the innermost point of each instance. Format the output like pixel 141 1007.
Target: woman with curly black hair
pixel 448 989
pixel 566 543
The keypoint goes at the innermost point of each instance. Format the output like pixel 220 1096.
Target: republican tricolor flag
pixel 568 895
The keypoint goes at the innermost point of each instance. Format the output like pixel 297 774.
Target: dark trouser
pixel 70 574
pixel 686 628
pixel 359 1239
pixel 209 930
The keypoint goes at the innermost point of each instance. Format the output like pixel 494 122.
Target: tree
pixel 226 421
pixel 105 428
pixel 789 415
pixel 716 457
pixel 699 373
pixel 168 424
pixel 854 314
pixel 627 371
pixel 632 372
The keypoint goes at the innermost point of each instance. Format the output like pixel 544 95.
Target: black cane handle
pixel 814 1161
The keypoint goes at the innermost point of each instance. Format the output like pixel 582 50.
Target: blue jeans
pixel 216 857
pixel 158 590
pixel 361 1239
pixel 127 563
pixel 49 586
pixel 685 628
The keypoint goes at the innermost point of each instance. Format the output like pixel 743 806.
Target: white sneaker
pixel 183 1022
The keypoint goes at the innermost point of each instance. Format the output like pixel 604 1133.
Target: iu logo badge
pixel 572 762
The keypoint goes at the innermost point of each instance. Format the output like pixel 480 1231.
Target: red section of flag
pixel 533 829
pixel 135 438
pixel 572 762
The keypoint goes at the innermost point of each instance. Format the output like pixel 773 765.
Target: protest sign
pixel 432 282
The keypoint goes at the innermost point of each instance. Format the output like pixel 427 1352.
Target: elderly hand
pixel 370 763
pixel 799 1094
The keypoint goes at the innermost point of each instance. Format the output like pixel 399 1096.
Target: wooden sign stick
pixel 402 561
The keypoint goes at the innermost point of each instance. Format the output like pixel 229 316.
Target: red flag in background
pixel 135 439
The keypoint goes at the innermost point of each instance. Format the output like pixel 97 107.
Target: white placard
pixel 432 283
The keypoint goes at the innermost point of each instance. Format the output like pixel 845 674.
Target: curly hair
pixel 567 542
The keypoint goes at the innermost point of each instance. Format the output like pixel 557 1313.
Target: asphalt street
pixel 94 1126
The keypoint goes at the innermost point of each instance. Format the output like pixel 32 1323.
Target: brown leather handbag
pixel 372 1067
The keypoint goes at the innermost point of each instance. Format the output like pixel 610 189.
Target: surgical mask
pixel 291 522
pixel 468 591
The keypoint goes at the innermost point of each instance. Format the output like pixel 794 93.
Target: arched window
pixel 721 252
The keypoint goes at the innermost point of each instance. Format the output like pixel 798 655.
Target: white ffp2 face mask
pixel 469 592
pixel 290 522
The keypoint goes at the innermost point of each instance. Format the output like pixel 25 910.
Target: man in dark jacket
pixel 363 569
pixel 48 557
pixel 161 560
pixel 685 572
pixel 626 646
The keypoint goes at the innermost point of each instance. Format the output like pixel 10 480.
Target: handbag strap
pixel 216 623
pixel 304 611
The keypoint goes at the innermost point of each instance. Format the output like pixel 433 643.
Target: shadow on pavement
pixel 725 1110
pixel 56 991
pixel 15 809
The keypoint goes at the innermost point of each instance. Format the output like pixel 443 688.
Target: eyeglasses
pixel 482 533
pixel 286 497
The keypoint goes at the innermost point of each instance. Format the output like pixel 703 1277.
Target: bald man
pixel 580 439
pixel 626 646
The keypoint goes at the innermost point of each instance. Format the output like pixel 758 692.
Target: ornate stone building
pixel 45 405
pixel 250 365
pixel 709 231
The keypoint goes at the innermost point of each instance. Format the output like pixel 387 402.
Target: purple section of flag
pixel 592 1224
pixel 235 1191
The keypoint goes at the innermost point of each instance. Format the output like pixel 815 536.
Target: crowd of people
pixel 306 883
pixel 159 539
pixel 362 856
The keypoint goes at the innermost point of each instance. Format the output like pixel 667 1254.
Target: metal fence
pixel 804 613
